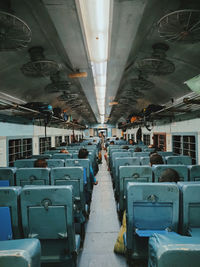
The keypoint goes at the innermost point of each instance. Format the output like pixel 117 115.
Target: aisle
pixel 103 226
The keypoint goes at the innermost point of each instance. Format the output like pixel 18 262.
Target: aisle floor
pixel 103 226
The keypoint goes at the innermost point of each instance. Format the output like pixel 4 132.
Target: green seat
pixel 24 163
pixel 62 156
pixel 194 172
pixel 47 214
pixel 20 253
pixel 9 197
pixel 131 174
pixel 179 160
pixel 173 250
pixel 33 176
pixel 140 154
pixel 7 175
pixel 151 208
pixel 52 163
pixel 42 156
pixel 144 160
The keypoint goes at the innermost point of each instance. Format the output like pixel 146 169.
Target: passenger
pixel 117 138
pixel 63 144
pixel 89 144
pixel 64 151
pixel 155 158
pixel 83 154
pixel 53 148
pixel 131 142
pixel 106 156
pixel 138 149
pixel 169 175
pixel 40 163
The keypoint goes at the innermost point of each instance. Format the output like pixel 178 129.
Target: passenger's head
pixel 169 175
pixel 121 138
pixel 83 153
pixel 52 148
pixel 89 144
pixel 64 151
pixel 130 141
pixel 40 163
pixel 155 158
pixel 112 142
pixel 138 149
pixel 117 138
pixel 63 144
pixel 125 147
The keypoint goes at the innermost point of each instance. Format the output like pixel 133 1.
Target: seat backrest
pixel 33 176
pixel 144 160
pixel 179 160
pixel 190 206
pixel 181 170
pixel 7 176
pixel 52 163
pixel 140 154
pixel 173 250
pixel 165 153
pixel 51 152
pixel 42 156
pixel 75 155
pixel 21 252
pixel 61 156
pixel 194 172
pixel 47 213
pixel 69 176
pixel 9 211
pixel 123 154
pixel 24 163
pixel 131 174
pixel 151 206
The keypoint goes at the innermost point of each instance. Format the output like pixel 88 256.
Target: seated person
pixel 155 158
pixel 63 144
pixel 53 148
pixel 40 163
pixel 83 154
pixel 138 149
pixel 64 151
pixel 169 175
pixel 131 142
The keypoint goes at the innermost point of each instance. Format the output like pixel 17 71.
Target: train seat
pixel 33 176
pixel 47 214
pixel 21 252
pixel 42 156
pixel 9 212
pixel 52 163
pixel 140 154
pixel 51 152
pixel 7 176
pixel 144 160
pixel 24 163
pixel 61 156
pixel 190 202
pixel 194 172
pixel 165 153
pixel 75 155
pixel 179 160
pixel 131 174
pixel 151 208
pixel 124 154
pixel 127 161
pixel 173 250
pixel 181 170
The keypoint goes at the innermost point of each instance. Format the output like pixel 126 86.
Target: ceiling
pixel 55 26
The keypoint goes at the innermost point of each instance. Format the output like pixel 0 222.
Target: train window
pixel 58 140
pixel 67 139
pixel 18 149
pixel 146 139
pixel 45 144
pixel 185 145
pixel 159 140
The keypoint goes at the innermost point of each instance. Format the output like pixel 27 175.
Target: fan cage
pixel 55 87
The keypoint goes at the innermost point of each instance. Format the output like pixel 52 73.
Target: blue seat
pixel 42 156
pixel 47 214
pixel 179 160
pixel 194 172
pixel 20 253
pixel 7 176
pixel 61 156
pixel 151 208
pixel 166 153
pixel 24 163
pixel 173 250
pixel 52 163
pixel 75 155
pixel 126 161
pixel 33 176
pixel 181 170
pixel 51 152
pixel 131 174
pixel 140 154
pixel 190 207
pixel 123 154
pixel 144 160
pixel 9 212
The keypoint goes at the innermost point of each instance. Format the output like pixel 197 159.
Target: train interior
pixel 91 91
